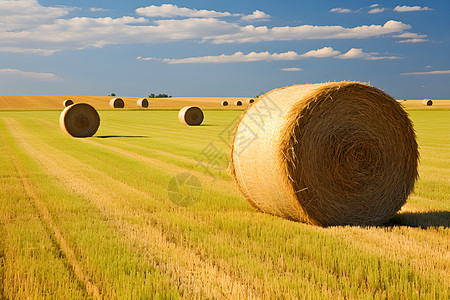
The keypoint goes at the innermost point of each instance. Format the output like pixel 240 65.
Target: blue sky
pixel 222 48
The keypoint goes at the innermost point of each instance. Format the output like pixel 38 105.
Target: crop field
pixel 146 209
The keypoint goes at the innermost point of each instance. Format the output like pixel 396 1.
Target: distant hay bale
pixel 224 103
pixel 251 101
pixel 326 154
pixel 238 103
pixel 117 103
pixel 79 120
pixel 427 102
pixel 142 102
pixel 190 115
pixel 67 102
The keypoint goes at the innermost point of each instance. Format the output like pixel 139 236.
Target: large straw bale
pixel 67 102
pixel 117 103
pixel 326 154
pixel 79 120
pixel 142 102
pixel 190 115
pixel 427 102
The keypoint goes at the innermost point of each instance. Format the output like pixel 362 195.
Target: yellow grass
pixel 54 102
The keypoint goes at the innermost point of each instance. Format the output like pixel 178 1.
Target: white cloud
pixel 28 27
pixel 437 72
pixel 324 52
pixel 15 73
pixel 320 53
pixel 98 9
pixel 411 37
pixel 413 41
pixel 254 34
pixel 257 15
pixel 170 11
pixel 376 10
pixel 22 14
pixel 341 10
pixel 406 8
pixel 374 5
pixel 291 69
pixel 356 53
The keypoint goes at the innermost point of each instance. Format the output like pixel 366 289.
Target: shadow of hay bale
pixel 121 136
pixel 422 219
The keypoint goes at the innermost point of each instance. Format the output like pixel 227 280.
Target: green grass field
pixel 92 218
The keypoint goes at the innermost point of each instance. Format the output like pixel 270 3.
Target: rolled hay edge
pixel 79 120
pixel 191 115
pixel 117 103
pixel 427 102
pixel 142 102
pixel 67 102
pixel 290 195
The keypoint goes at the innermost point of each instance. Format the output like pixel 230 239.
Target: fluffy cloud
pixel 437 72
pixel 254 34
pixel 356 53
pixel 291 69
pixel 411 37
pixel 406 8
pixel 28 27
pixel 23 14
pixel 341 10
pixel 324 52
pixel 257 15
pixel 170 11
pixel 376 10
pixel 9 73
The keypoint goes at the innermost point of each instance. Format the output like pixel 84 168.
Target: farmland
pixel 97 218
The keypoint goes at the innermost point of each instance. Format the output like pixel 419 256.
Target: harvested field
pixel 92 218
pixel 54 102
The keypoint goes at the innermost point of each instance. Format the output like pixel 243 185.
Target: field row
pixel 99 217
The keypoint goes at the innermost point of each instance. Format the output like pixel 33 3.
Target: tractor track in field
pixel 55 234
pixel 185 266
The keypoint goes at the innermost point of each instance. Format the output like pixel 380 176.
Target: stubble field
pixel 100 218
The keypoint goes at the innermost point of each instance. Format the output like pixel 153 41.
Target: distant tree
pixel 159 96
pixel 151 95
pixel 113 94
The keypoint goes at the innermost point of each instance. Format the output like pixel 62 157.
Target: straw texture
pixel 142 102
pixel 79 120
pixel 326 154
pixel 67 102
pixel 117 103
pixel 190 115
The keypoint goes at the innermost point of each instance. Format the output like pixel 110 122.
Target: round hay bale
pixel 427 102
pixel 251 101
pixel 224 103
pixel 79 120
pixel 238 103
pixel 117 103
pixel 67 102
pixel 142 102
pixel 190 115
pixel 326 154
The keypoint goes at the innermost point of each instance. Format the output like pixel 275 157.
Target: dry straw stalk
pixel 326 154
pixel 190 115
